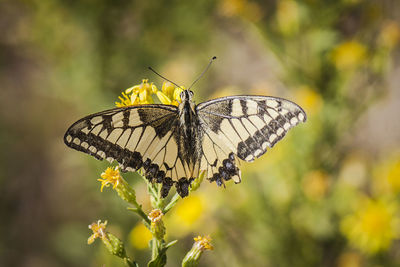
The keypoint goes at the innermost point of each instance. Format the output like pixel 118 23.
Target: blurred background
pixel 326 195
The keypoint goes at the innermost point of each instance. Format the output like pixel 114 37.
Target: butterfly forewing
pixel 136 137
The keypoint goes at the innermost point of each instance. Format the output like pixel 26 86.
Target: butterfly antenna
pixel 204 71
pixel 150 68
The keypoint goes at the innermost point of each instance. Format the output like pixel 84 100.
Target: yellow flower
pixel 114 245
pixel 189 210
pixel 177 95
pixel 373 226
pixel 354 170
pixel 203 242
pixel 390 34
pixel 142 94
pixel 188 214
pixel 349 55
pixel 386 176
pixel 157 226
pixel 125 101
pixel 244 8
pixel 168 89
pixel 163 98
pixel 110 176
pixel 315 184
pixel 99 231
pixel 200 245
pixel 140 236
pixel 155 215
pixel 309 99
pixel 288 16
pixel 138 94
pixel 393 176
pixel 231 8
pixel 349 259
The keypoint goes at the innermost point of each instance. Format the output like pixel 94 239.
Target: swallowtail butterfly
pixel 172 144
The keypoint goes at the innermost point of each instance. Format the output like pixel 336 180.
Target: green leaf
pixel 160 261
pixel 170 244
pixel 161 258
pixel 130 263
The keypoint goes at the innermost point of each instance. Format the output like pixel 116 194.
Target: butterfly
pixel 173 144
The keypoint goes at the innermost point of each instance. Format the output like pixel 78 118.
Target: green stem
pixel 155 248
pixel 160 200
pixel 128 262
pixel 157 204
pixel 152 190
pixel 172 203
pixel 140 212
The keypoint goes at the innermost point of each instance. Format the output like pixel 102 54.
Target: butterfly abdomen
pixel 190 133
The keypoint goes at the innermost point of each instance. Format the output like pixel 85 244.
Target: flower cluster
pixel 142 94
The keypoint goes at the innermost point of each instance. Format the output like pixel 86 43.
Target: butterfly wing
pixel 243 127
pixel 143 136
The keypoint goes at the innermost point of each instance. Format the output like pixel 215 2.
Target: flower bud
pixel 157 227
pixel 193 256
pixel 112 243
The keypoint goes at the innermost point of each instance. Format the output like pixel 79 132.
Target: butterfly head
pixel 186 96
pixel 186 107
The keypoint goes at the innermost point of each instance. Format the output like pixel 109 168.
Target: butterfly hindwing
pixel 245 126
pixel 218 160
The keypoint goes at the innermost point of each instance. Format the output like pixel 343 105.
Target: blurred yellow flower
pixel 349 55
pixel 140 236
pixel 187 214
pixel 353 171
pixel 349 259
pixel 288 16
pixel 393 176
pixel 390 35
pixel 231 8
pixel 309 99
pixel 189 210
pixel 373 227
pixel 315 184
pixel 386 176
